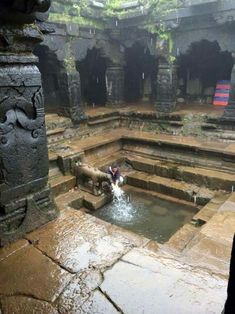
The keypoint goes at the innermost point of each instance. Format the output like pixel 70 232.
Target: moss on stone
pixel 81 21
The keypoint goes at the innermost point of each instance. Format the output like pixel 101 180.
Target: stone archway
pixel 51 71
pixel 92 71
pixel 140 73
pixel 200 68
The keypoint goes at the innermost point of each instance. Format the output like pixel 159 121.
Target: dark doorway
pixel 52 72
pixel 201 67
pixel 139 73
pixel 92 74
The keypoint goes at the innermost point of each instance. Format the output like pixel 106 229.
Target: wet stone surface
pixel 78 241
pixel 81 264
pixel 25 305
pixel 30 273
pixel 82 295
pixel 167 285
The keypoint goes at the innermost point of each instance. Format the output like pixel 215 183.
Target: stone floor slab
pixel 221 228
pixel 12 248
pixel 24 305
pixel 78 241
pixel 98 304
pixel 28 272
pixel 78 291
pixel 151 283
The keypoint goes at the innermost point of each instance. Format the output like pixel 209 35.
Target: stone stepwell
pixel 179 166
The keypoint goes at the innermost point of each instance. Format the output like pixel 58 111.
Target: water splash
pixel 118 193
pixel 122 209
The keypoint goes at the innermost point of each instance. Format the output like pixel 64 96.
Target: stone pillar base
pixel 165 106
pixel 26 214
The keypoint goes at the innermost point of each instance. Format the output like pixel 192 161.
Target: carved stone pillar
pixel 25 201
pixel 115 84
pixel 166 88
pixel 72 88
pixel 229 113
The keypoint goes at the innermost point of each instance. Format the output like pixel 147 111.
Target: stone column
pixel 71 86
pixel 166 87
pixel 25 201
pixel 229 112
pixel 115 84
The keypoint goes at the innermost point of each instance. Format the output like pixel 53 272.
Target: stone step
pixel 171 187
pixel 73 198
pixel 212 179
pixel 62 184
pixel 102 121
pixel 54 172
pixel 55 136
pixel 106 161
pixel 54 121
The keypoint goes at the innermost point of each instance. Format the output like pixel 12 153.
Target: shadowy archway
pixel 140 69
pixel 52 72
pixel 92 75
pixel 200 68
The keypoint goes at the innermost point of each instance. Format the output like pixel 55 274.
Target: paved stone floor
pixel 80 264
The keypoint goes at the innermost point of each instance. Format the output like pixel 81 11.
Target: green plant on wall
pixel 157 26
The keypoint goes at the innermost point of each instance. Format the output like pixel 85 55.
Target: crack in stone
pixel 109 267
pixel 30 296
pixel 13 252
pixel 54 261
pixel 192 268
pixel 111 301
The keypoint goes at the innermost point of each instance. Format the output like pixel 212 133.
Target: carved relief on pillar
pixel 25 201
pixel 166 87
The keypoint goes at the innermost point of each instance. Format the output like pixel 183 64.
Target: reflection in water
pixel 146 214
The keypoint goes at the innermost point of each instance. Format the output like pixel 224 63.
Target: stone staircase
pixel 56 127
pixel 211 179
pixel 178 189
pixel 60 183
pixel 194 184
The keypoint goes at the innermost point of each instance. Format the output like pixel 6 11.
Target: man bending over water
pixel 116 175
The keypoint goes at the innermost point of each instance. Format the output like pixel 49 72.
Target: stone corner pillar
pixel 25 199
pixel 229 112
pixel 166 87
pixel 115 84
pixel 71 86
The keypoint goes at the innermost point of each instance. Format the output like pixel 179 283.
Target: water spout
pixel 195 199
pixel 123 209
pixel 232 188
